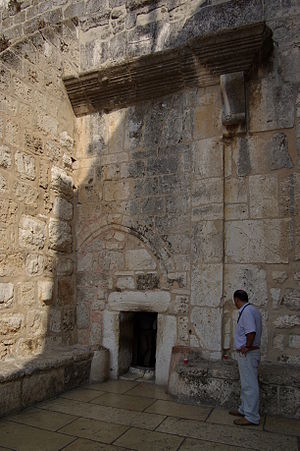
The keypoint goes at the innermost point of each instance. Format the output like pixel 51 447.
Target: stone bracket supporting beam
pixel 233 99
pixel 199 63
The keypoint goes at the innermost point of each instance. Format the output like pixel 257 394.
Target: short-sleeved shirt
pixel 249 321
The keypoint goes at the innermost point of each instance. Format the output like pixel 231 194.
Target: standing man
pixel 247 342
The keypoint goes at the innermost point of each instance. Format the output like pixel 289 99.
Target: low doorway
pixel 137 341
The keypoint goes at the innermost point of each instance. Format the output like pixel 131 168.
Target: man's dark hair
pixel 241 295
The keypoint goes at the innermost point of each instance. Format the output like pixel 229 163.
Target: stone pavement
pixel 120 415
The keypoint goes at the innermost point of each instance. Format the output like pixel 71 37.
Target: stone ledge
pixel 217 383
pixel 24 381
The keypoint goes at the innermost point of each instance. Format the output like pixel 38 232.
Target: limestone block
pixel 207 324
pixel 271 104
pixel 26 293
pixel 279 276
pixel 166 339
pixel 61 182
pixel 132 301
pixel 26 193
pixel 278 152
pixel 45 290
pixel 32 233
pixel 117 190
pixel 208 212
pixel 35 264
pixel 96 333
pixel 236 190
pixel 125 283
pixel 60 235
pixel 83 314
pixel 36 322
pixel 287 321
pixel 291 298
pixel 236 211
pixel 276 297
pixel 99 366
pixel 181 304
pixel 25 165
pixel 251 278
pixel 207 157
pixel 64 267
pixel 42 386
pixel 279 342
pixel 10 323
pixel 139 259
pixel 6 293
pixel 233 98
pixel 111 339
pixel 207 285
pixel 294 341
pixel 62 209
pixel 183 329
pixel 8 210
pixel 55 319
pixel 5 157
pixel 3 184
pixel 207 241
pixel 66 141
pixel 258 240
pixel 263 191
pixel 10 394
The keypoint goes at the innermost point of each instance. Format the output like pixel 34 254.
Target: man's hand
pixel 244 350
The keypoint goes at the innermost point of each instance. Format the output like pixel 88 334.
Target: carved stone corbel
pixel 234 112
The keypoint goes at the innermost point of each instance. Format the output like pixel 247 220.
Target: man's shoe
pixel 244 422
pixel 235 413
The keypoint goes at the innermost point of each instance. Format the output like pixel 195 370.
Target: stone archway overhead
pixel 152 76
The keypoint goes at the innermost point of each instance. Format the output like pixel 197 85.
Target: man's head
pixel 240 298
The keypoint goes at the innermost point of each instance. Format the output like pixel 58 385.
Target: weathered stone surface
pixel 236 190
pixel 25 165
pixel 294 341
pixel 148 281
pixel 60 235
pixel 263 192
pixel 291 298
pixel 5 157
pixel 64 267
pixel 207 241
pixel 279 153
pixel 3 184
pixel 287 321
pixel 207 285
pixel 166 339
pixel 62 209
pixel 6 293
pixel 32 233
pixel 251 278
pixel 139 259
pixel 35 264
pixel 152 301
pixel 61 182
pixel 10 323
pixel 26 193
pixel 125 283
pixel 207 158
pixel 279 276
pixel 45 291
pixel 259 241
pixel 207 325
pixel 10 397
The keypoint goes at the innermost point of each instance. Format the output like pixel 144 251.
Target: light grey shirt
pixel 249 321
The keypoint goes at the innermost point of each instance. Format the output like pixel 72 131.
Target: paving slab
pixel 42 419
pixel 113 386
pixel 191 444
pixel 149 440
pixel 88 445
pixel 110 414
pixel 123 401
pixel 99 431
pixel 228 435
pixel 150 391
pixel 288 426
pixel 26 438
pixel 174 409
pixel 81 394
pixel 221 416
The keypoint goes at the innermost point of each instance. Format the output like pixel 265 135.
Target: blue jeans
pixel 248 366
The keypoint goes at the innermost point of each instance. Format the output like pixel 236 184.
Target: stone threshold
pixel 25 381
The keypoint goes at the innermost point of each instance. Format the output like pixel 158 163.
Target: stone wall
pixel 36 194
pixel 216 208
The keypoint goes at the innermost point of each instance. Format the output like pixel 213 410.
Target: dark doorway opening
pixel 137 342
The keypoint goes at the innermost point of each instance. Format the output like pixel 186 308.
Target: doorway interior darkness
pixel 137 340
